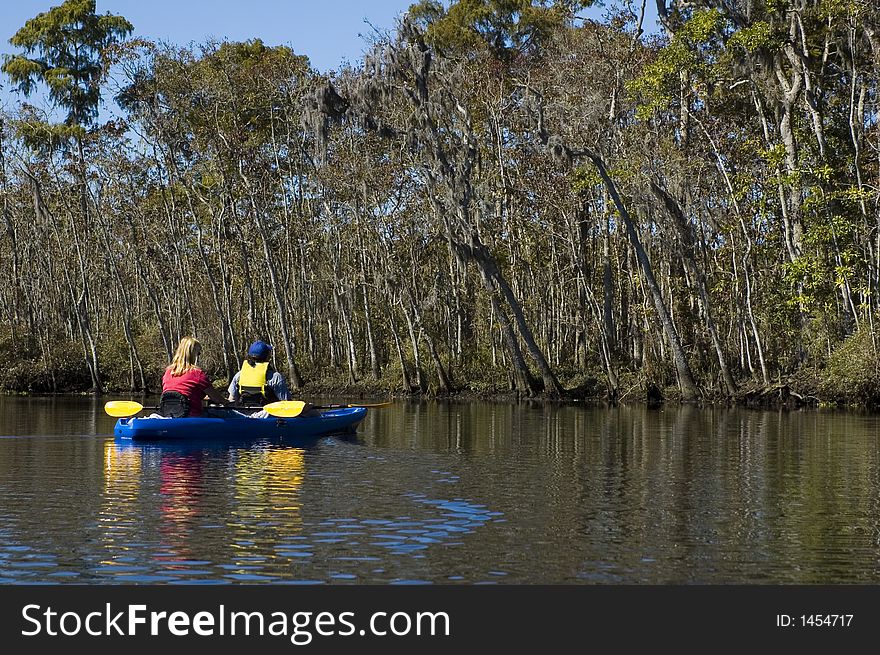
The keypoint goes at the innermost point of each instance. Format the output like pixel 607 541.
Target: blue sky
pixel 328 32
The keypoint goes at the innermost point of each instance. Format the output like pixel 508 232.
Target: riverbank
pixel 848 379
pixel 790 394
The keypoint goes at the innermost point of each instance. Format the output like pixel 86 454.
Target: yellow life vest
pixel 252 379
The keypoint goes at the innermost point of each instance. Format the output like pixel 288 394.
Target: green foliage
pixel 701 27
pixel 584 178
pixel 583 383
pixel 773 155
pixel 505 27
pixel 853 195
pixel 829 230
pixel 225 100
pixel 839 8
pixel 778 7
pixel 66 43
pixel 182 224
pixel 659 83
pixel 756 36
pixel 43 137
pixel 812 281
pixel 852 375
pixel 64 372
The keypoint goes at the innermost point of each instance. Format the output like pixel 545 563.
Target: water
pixel 447 493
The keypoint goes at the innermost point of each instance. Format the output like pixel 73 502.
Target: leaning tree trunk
pixel 674 209
pixel 522 377
pixel 404 372
pixel 495 284
pixel 686 383
pixel 486 261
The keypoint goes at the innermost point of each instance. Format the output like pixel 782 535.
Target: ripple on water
pixel 735 497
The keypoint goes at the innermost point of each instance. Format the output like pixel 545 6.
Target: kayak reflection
pixel 118 516
pixel 181 487
pixel 267 508
pixel 256 486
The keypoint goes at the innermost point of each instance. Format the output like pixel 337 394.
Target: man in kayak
pixel 185 385
pixel 258 383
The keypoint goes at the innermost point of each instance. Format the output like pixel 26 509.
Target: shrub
pixel 851 376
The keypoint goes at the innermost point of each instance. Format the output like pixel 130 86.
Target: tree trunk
pixel 675 211
pixel 686 383
pixel 404 372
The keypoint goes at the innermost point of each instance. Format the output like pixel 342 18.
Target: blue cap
pixel 259 350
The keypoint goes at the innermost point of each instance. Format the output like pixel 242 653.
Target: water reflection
pixel 431 492
pixel 118 517
pixel 267 510
pixel 236 513
pixel 181 479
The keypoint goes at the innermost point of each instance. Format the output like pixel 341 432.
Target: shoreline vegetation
pixel 503 199
pixel 781 395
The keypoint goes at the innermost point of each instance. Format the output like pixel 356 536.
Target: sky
pixel 328 32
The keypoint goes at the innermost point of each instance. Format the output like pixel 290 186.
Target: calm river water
pixel 448 493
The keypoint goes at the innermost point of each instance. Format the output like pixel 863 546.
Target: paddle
pixel 281 408
pixel 354 405
pixel 285 408
pixel 293 408
pixel 125 408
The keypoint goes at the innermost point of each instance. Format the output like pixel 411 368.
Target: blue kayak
pixel 329 421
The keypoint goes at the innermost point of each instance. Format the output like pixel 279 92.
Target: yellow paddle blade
pixel 122 408
pixel 285 408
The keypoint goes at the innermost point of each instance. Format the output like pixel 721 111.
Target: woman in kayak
pixel 184 384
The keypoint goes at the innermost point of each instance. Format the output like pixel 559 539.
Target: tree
pixel 506 27
pixel 64 49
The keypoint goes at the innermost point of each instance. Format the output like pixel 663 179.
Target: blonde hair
pixel 185 356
